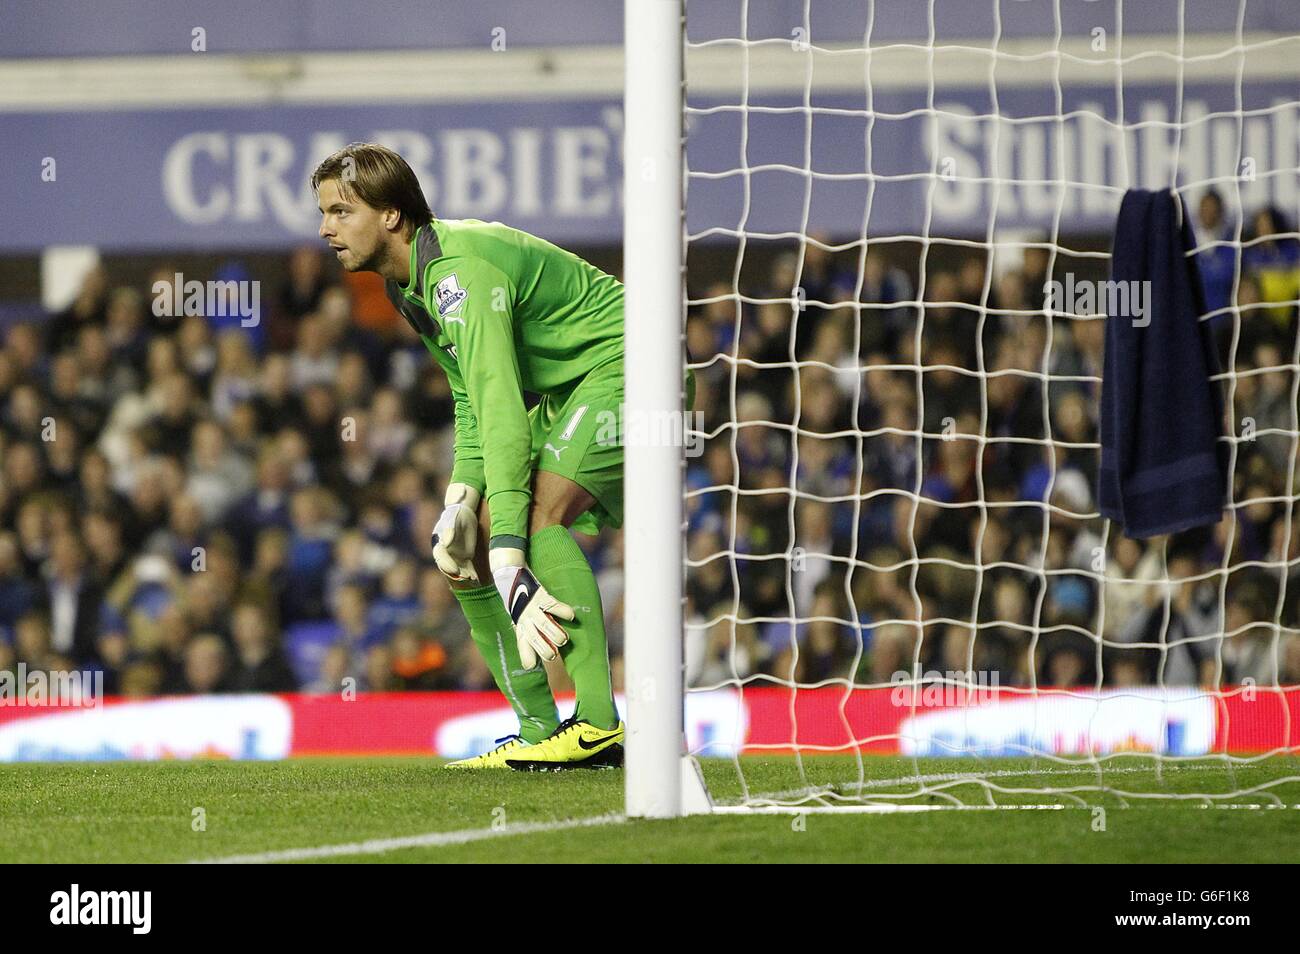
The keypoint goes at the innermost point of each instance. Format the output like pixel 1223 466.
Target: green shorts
pixel 571 437
pixel 578 435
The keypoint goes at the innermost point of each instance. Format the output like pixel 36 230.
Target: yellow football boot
pixel 576 743
pixel 508 746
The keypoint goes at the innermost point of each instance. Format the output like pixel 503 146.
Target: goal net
pixel 898 590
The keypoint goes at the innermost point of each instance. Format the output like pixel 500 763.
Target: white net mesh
pixel 899 588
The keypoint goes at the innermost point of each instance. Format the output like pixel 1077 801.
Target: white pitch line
pixel 436 839
pixel 439 839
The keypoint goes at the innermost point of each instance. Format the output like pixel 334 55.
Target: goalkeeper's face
pixel 357 233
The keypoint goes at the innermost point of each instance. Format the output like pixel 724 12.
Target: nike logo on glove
pixel 519 600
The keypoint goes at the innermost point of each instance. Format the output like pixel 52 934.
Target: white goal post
pixel 652 274
pixel 984 167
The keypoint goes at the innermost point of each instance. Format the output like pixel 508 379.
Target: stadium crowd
pixel 201 504
pixel 978 525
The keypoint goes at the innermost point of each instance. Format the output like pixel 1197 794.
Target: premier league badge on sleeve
pixel 450 297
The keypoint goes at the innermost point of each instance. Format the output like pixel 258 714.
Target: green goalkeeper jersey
pixel 504 312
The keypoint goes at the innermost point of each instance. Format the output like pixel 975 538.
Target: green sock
pixel 562 568
pixel 527 690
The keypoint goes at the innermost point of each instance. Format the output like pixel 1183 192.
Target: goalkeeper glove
pixel 456 532
pixel 533 610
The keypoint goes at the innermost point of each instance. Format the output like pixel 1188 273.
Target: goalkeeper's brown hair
pixel 380 178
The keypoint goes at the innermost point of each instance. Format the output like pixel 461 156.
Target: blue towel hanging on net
pixel 1163 467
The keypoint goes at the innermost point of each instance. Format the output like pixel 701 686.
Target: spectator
pixel 206 661
pixel 725 652
pixel 419 663
pixel 170 651
pixel 33 646
pixel 299 295
pixel 390 432
pixel 259 664
pixel 379 669
pixel 88 309
pixel 18 595
pixel 62 455
pixel 29 361
pixel 264 506
pixel 128 336
pixel 33 524
pixel 72 600
pixel 235 375
pixel 314 360
pixel 1273 256
pixel 23 474
pixel 397 604
pixel 107 557
pixel 336 668
pixel 438 618
pixel 170 428
pixel 102 382
pixel 70 400
pixel 141 678
pixel 352 386
pixel 1189 638
pixel 314 527
pixel 276 402
pixel 218 476
pixel 353 627
pixel 1217 260
pixel 113 648
pixel 206 604
pixel 24 413
pixel 196 352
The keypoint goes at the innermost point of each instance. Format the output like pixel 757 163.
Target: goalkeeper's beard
pixel 377 261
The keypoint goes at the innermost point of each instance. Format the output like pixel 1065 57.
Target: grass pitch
pixel 411 810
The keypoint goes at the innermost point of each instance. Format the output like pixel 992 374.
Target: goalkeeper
pixel 504 312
